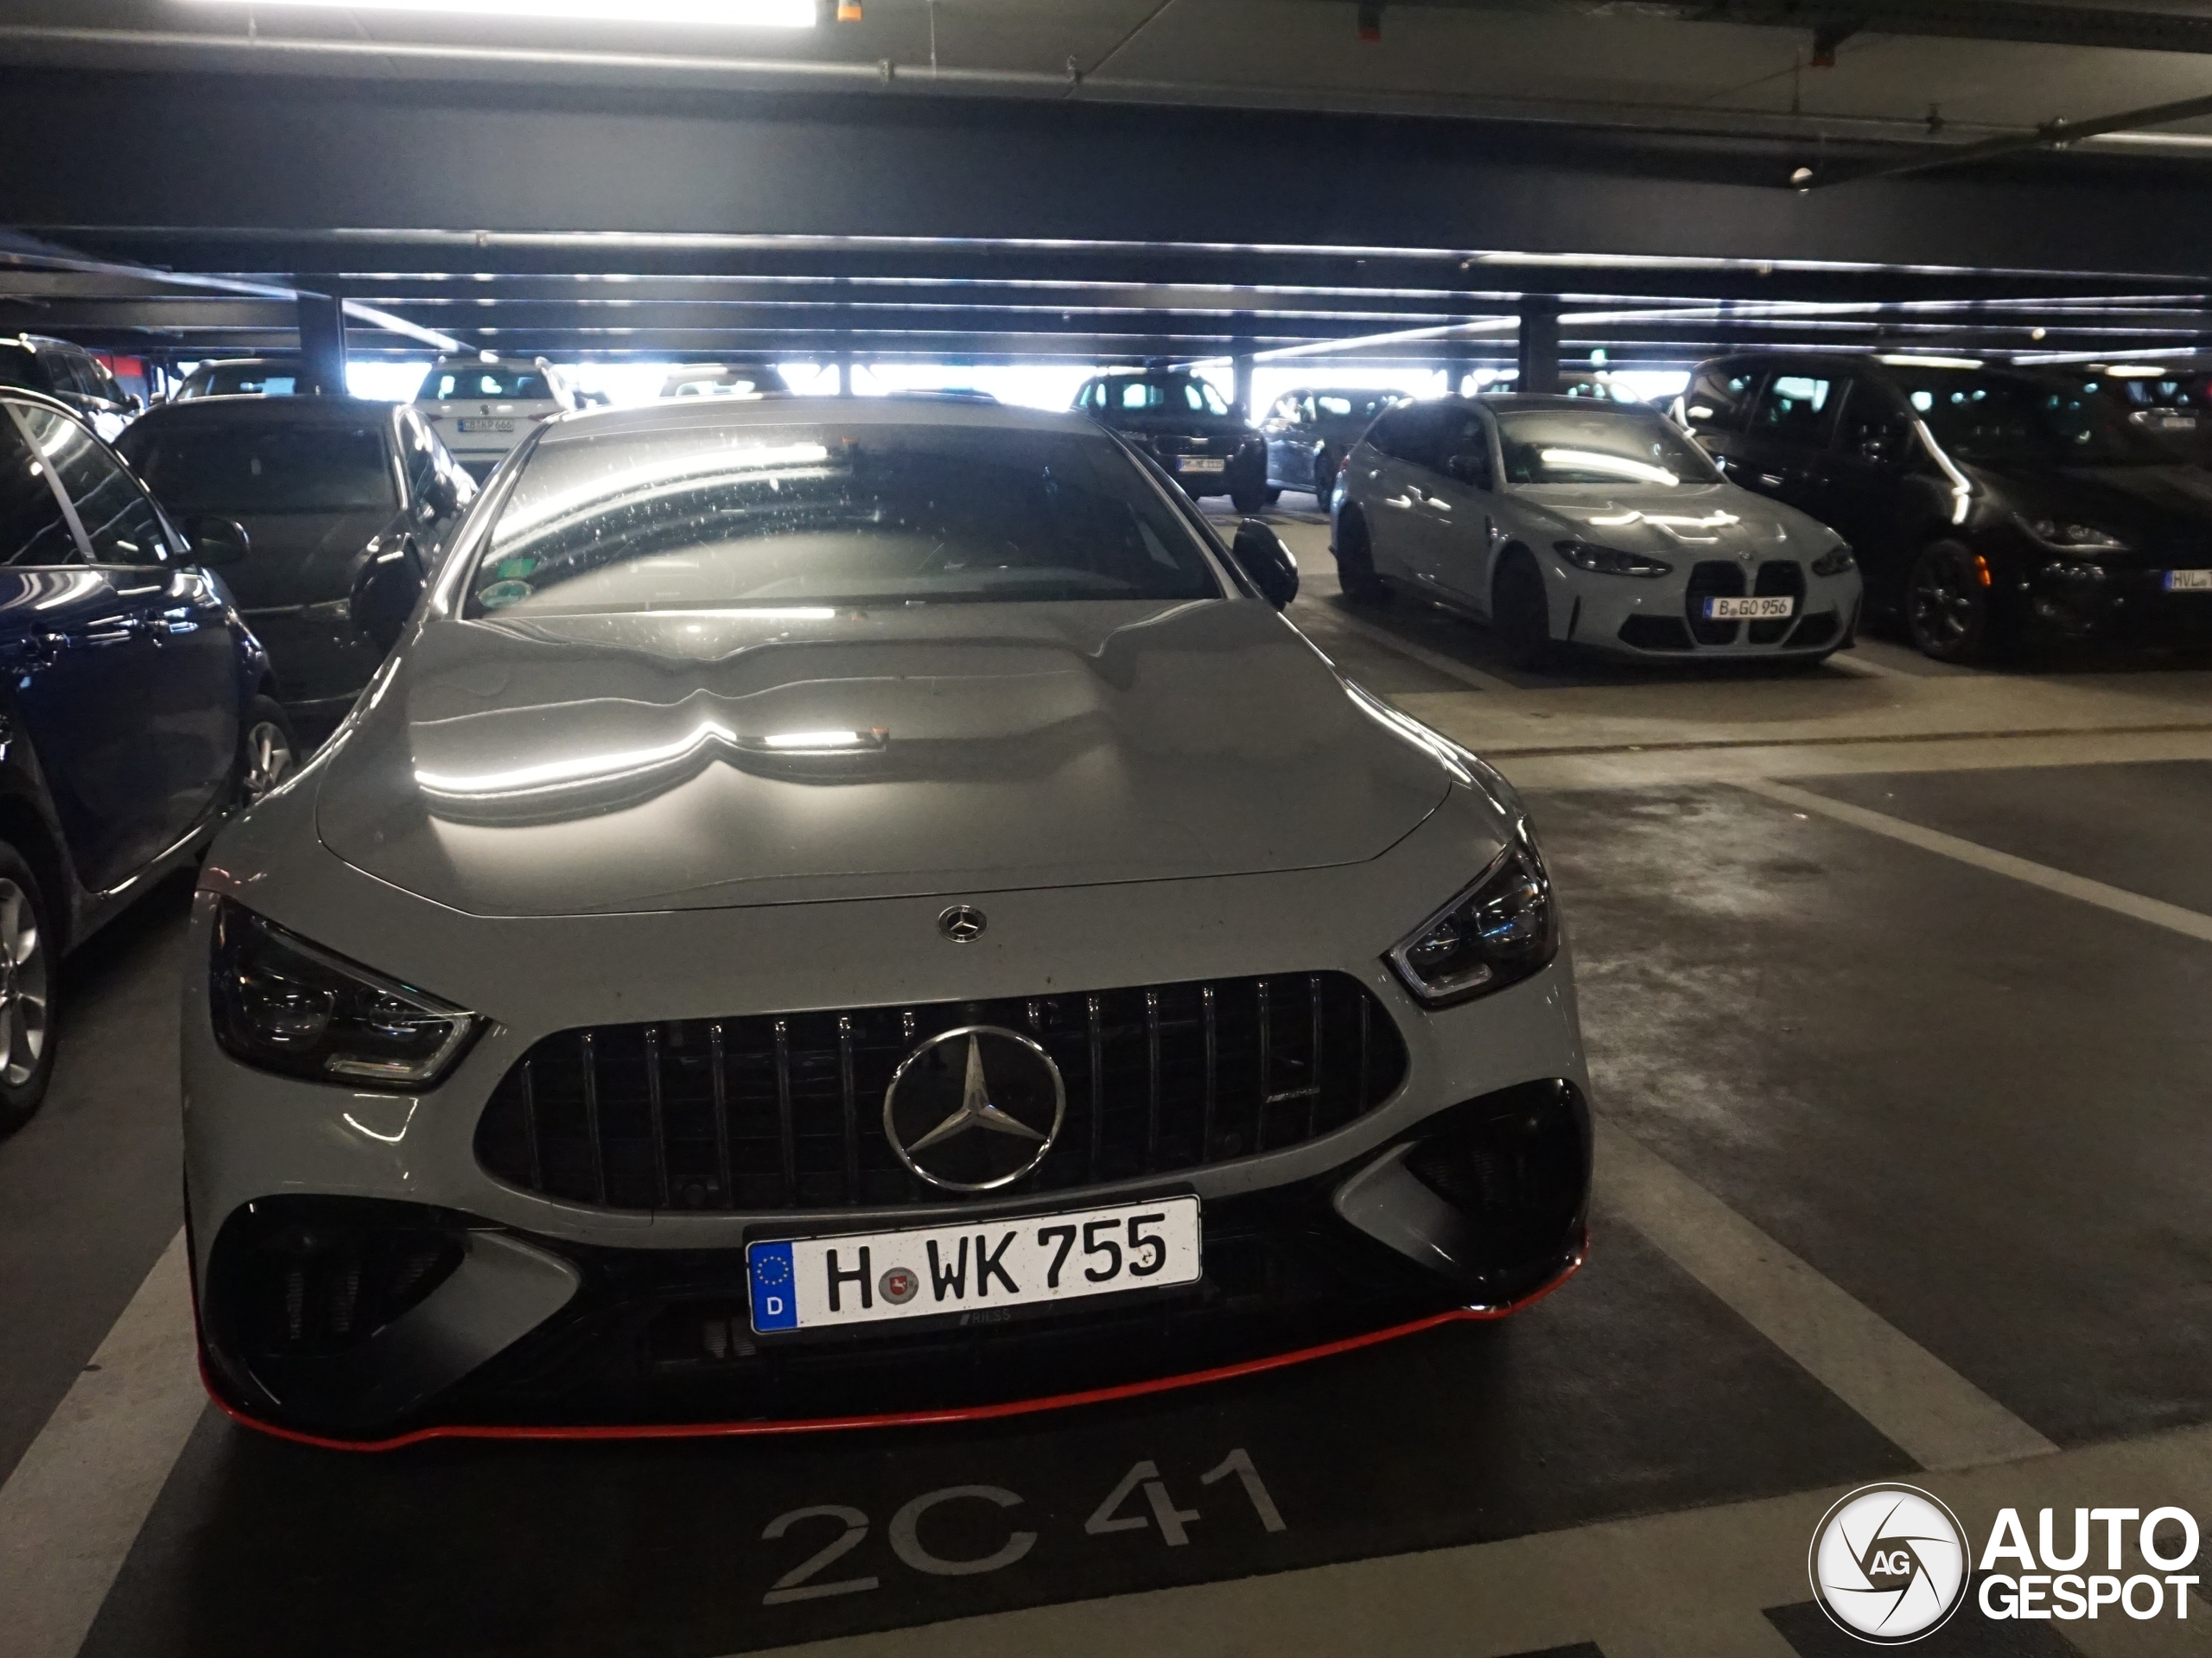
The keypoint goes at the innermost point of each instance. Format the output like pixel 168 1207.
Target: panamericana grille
pixel 786 1111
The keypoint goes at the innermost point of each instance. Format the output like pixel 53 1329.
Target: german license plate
pixel 1202 463
pixel 2189 580
pixel 1750 610
pixel 971 1266
pixel 487 426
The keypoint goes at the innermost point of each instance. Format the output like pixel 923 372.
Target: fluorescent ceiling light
pixel 1931 362
pixel 754 14
pixel 2136 371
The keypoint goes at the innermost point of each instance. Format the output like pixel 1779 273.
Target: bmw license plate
pixel 1202 463
pixel 2189 580
pixel 487 426
pixel 971 1266
pixel 1750 610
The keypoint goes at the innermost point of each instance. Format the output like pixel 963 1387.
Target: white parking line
pixel 73 1505
pixel 1434 660
pixel 2116 898
pixel 1919 1403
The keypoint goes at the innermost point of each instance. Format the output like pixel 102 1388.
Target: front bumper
pixel 1663 619
pixel 530 1336
pixel 2079 599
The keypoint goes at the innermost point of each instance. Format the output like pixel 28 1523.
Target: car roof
pixel 690 413
pixel 248 408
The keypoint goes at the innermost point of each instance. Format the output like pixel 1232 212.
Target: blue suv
pixel 135 709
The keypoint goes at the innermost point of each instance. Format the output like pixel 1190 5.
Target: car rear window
pixel 491 380
pixel 748 516
pixel 247 468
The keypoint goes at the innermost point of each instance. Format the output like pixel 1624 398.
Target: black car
pixel 1183 423
pixel 134 710
pixel 734 379
pixel 1309 433
pixel 336 495
pixel 1987 505
pixel 70 375
pixel 246 377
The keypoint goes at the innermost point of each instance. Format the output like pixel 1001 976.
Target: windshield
pixel 744 515
pixel 1175 396
pixel 1352 405
pixel 2003 418
pixel 1563 446
pixel 486 380
pixel 244 469
pixel 247 379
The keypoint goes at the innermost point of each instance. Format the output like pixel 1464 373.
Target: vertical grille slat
pixel 763 1113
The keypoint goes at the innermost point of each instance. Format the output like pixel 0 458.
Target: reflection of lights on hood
pixel 517 524
pixel 1680 525
pixel 1962 490
pixel 1619 466
pixel 585 769
pixel 1436 745
pixel 1931 362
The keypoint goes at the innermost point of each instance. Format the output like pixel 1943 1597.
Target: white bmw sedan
pixel 1570 522
pixel 842 912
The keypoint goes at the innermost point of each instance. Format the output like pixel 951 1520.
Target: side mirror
pixel 1472 468
pixel 384 594
pixel 1261 554
pixel 218 542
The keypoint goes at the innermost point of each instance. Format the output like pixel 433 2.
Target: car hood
pixel 2151 508
pixel 1698 521
pixel 303 558
pixel 596 764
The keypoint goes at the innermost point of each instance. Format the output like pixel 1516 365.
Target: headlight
pixel 1834 561
pixel 1500 931
pixel 282 1005
pixel 1608 561
pixel 2073 538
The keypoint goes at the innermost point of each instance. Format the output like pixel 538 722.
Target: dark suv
pixel 1183 423
pixel 1986 504
pixel 68 374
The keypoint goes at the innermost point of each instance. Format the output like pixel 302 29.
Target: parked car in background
pixel 481 406
pixel 1188 427
pixel 1577 521
pixel 135 706
pixel 245 377
pixel 2173 405
pixel 345 504
pixel 1988 505
pixel 1309 433
pixel 71 375
pixel 724 380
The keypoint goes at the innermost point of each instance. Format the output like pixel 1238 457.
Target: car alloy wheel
pixel 267 752
pixel 23 986
pixel 1355 561
pixel 1947 603
pixel 1522 612
pixel 1324 478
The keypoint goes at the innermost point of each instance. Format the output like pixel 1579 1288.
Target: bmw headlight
pixel 1608 560
pixel 1834 561
pixel 2073 538
pixel 282 1004
pixel 1500 931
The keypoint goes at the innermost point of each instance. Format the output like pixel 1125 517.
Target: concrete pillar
pixel 1240 364
pixel 844 375
pixel 322 342
pixel 1539 344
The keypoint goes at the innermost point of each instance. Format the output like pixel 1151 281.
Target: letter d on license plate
pixel 971 1266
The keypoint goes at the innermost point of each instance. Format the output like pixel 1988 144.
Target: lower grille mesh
pixel 772 1112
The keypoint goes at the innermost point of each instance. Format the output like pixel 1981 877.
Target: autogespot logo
pixel 1889 1563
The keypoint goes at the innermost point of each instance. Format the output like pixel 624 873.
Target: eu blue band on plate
pixel 775 1299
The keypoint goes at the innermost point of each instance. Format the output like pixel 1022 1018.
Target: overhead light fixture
pixel 1931 362
pixel 2136 371
pixel 748 14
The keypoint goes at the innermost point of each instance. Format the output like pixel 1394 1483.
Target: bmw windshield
pixel 1567 446
pixel 744 515
pixel 2006 419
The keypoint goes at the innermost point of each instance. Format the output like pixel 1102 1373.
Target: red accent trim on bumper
pixel 894 1418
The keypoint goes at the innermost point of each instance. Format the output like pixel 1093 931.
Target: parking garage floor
pixel 1894 978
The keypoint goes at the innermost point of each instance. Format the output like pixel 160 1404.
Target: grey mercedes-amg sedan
pixel 841 911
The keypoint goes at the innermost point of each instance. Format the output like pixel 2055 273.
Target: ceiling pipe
pixel 2051 135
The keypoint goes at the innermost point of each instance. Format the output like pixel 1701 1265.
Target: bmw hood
pixel 1701 521
pixel 591 764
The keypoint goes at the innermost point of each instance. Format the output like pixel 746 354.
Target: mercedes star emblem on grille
pixel 962 924
pixel 975 1108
